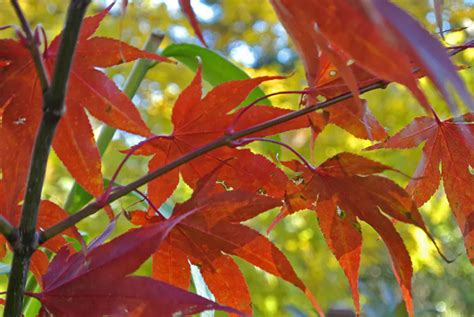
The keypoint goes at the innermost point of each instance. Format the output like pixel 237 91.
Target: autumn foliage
pixel 375 44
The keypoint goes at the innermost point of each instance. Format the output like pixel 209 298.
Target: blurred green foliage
pixel 248 32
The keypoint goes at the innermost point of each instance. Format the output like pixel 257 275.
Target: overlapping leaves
pixel 206 230
pixel 385 43
pixel 345 189
pixel 199 120
pixel 96 282
pixel 74 141
pixel 212 233
pixel 353 114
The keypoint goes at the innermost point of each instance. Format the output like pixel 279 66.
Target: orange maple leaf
pixel 451 144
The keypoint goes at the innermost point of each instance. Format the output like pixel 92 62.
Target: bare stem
pixel 53 109
pixel 107 192
pixel 32 46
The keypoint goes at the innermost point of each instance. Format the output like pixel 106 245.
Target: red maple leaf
pixel 39 266
pixel 96 282
pixel 212 233
pixel 330 81
pixel 198 121
pixel 74 142
pixel 353 115
pixel 341 191
pixel 384 41
pixel 451 144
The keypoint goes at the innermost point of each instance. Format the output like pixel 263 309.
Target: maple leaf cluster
pixel 232 184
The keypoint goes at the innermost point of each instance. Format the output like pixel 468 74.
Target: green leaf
pixel 216 69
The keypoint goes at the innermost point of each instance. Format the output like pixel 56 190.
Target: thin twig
pixel 7 230
pixel 109 188
pixel 32 47
pixel 226 140
pixel 246 141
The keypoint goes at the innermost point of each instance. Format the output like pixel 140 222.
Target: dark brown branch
pixel 32 46
pixel 53 108
pixel 226 140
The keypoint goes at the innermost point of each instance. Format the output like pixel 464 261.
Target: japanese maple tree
pixel 50 92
